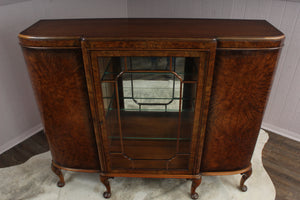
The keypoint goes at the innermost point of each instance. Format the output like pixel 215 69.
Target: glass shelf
pixel 175 98
pixel 146 138
pixel 150 110
pixel 111 76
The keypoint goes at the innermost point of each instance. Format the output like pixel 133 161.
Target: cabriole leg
pixel 57 171
pixel 245 176
pixel 104 180
pixel 195 184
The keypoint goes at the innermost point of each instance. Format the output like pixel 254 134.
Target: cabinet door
pixel 150 106
pixel 242 80
pixel 59 84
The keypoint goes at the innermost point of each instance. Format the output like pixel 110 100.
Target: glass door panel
pixel 149 105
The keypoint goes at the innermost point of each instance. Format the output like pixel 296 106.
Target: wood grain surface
pixel 229 33
pixel 57 77
pixel 153 28
pixel 241 85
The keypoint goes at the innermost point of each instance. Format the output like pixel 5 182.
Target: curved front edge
pixel 241 84
pixel 246 173
pixel 222 173
pixel 74 169
pixel 57 170
pixel 58 80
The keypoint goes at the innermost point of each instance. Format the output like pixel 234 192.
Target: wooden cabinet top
pixel 218 29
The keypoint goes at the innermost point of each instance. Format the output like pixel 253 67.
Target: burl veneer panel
pixel 240 89
pixel 58 80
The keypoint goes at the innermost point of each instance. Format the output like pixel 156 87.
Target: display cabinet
pixel 154 98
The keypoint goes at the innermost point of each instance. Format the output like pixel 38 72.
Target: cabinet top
pixel 219 29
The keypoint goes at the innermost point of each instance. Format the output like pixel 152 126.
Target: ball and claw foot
pixel 57 171
pixel 104 180
pixel 195 195
pixel 195 184
pixel 245 176
pixel 106 195
pixel 60 184
pixel 244 188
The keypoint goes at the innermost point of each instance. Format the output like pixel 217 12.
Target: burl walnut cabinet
pixel 156 98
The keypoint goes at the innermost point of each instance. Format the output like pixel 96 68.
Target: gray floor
pixel 281 159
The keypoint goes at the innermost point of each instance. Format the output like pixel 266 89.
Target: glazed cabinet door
pixel 150 107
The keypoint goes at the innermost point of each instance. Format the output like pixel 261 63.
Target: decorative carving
pixel 245 176
pixel 57 171
pixel 195 184
pixel 104 180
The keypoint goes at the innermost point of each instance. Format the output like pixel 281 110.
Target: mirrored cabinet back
pixel 154 98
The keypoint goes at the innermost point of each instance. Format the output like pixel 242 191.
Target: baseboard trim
pixel 21 138
pixel 280 131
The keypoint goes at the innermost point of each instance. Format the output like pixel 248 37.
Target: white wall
pixel 19 116
pixel 283 110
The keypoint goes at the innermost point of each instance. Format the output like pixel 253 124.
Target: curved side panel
pixel 241 86
pixel 58 80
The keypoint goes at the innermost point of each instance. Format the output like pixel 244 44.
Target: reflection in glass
pixel 149 106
